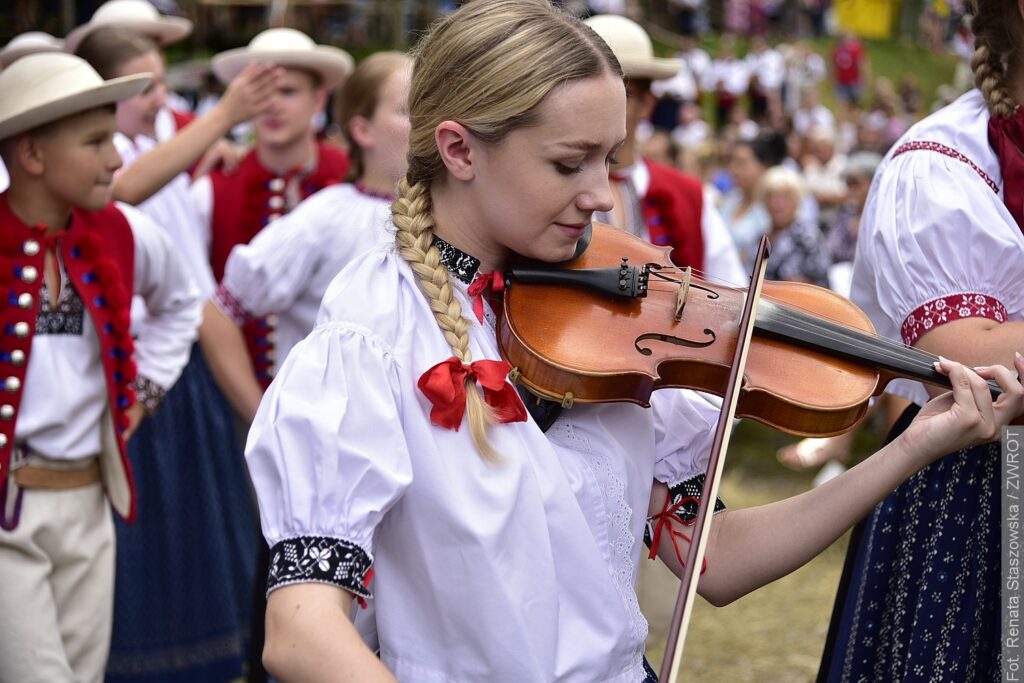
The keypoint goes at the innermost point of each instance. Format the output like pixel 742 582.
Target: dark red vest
pixel 98 251
pixel 672 211
pixel 243 203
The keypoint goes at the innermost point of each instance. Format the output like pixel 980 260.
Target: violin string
pixel 814 319
pixel 896 351
pixel 799 322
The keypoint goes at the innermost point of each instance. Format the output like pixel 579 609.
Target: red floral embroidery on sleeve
pixel 945 309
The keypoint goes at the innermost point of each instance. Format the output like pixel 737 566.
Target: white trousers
pixel 57 588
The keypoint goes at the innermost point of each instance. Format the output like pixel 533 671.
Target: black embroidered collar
pixel 459 263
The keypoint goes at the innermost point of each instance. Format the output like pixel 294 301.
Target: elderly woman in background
pixel 798 248
pixel 841 236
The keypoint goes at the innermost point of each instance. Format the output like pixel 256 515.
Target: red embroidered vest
pixel 243 203
pixel 672 211
pixel 98 251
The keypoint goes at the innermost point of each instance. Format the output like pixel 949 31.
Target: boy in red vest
pixel 286 165
pixel 75 384
pixel 654 201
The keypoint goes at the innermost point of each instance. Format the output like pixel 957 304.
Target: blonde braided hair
pixel 997 27
pixel 415 240
pixel 488 66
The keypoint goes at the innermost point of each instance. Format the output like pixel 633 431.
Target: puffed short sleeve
pixel 684 429
pixel 328 457
pixel 936 244
pixel 267 274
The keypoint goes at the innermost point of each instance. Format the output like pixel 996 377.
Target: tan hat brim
pixel 331 63
pixel 109 92
pixel 655 69
pixel 164 31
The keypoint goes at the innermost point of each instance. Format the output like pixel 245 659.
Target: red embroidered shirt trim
pixel 946 309
pixel 930 146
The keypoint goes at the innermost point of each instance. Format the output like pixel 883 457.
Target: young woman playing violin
pixel 940 263
pixel 392 457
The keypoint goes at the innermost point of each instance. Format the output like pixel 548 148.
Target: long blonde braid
pixel 996 25
pixel 415 240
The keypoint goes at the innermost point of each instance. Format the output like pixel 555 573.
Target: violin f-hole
pixel 678 341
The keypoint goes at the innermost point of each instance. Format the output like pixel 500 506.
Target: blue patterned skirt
pixel 185 568
pixel 919 597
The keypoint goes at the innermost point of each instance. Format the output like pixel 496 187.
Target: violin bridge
pixel 682 293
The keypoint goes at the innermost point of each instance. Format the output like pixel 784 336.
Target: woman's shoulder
pixel 956 133
pixel 376 291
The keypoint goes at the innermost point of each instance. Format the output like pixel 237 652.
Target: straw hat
pixel 632 47
pixel 138 16
pixel 42 88
pixel 288 48
pixel 27 44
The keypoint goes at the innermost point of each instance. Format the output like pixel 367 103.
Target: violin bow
pixel 673 658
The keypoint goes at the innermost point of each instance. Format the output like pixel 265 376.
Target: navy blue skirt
pixel 919 598
pixel 185 568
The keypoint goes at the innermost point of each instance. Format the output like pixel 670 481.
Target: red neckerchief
pixel 485 283
pixel 1006 137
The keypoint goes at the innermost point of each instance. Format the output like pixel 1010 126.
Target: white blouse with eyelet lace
pixel 516 572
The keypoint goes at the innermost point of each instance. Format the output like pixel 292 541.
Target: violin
pixel 620 320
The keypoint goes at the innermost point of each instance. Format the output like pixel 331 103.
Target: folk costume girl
pixel 77 382
pixel 187 458
pixel 141 18
pixel 287 267
pixel 286 166
pixel 393 459
pixel 939 263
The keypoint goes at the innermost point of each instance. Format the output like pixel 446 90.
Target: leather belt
pixel 35 477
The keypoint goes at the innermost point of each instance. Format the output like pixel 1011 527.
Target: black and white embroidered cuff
pixel 149 393
pixel 319 559
pixel 684 501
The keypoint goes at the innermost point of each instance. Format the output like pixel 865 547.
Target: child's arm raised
pixel 248 95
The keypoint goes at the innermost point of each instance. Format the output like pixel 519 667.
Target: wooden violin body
pixel 575 344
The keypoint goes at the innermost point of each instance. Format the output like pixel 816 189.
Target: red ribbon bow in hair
pixel 485 283
pixel 444 385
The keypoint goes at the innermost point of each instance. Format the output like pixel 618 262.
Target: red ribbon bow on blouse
pixel 485 283
pixel 444 385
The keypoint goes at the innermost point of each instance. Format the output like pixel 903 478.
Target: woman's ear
pixel 359 129
pixel 455 144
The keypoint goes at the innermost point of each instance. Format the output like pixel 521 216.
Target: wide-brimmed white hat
pixel 27 44
pixel 288 48
pixel 632 47
pixel 41 88
pixel 138 16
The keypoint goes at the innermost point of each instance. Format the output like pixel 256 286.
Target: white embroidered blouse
pixel 287 267
pixel 936 242
pixel 516 572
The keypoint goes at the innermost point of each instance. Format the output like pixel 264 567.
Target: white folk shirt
pixel 65 392
pixel 721 258
pixel 174 211
pixel 287 267
pixel 936 242
pixel 517 572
